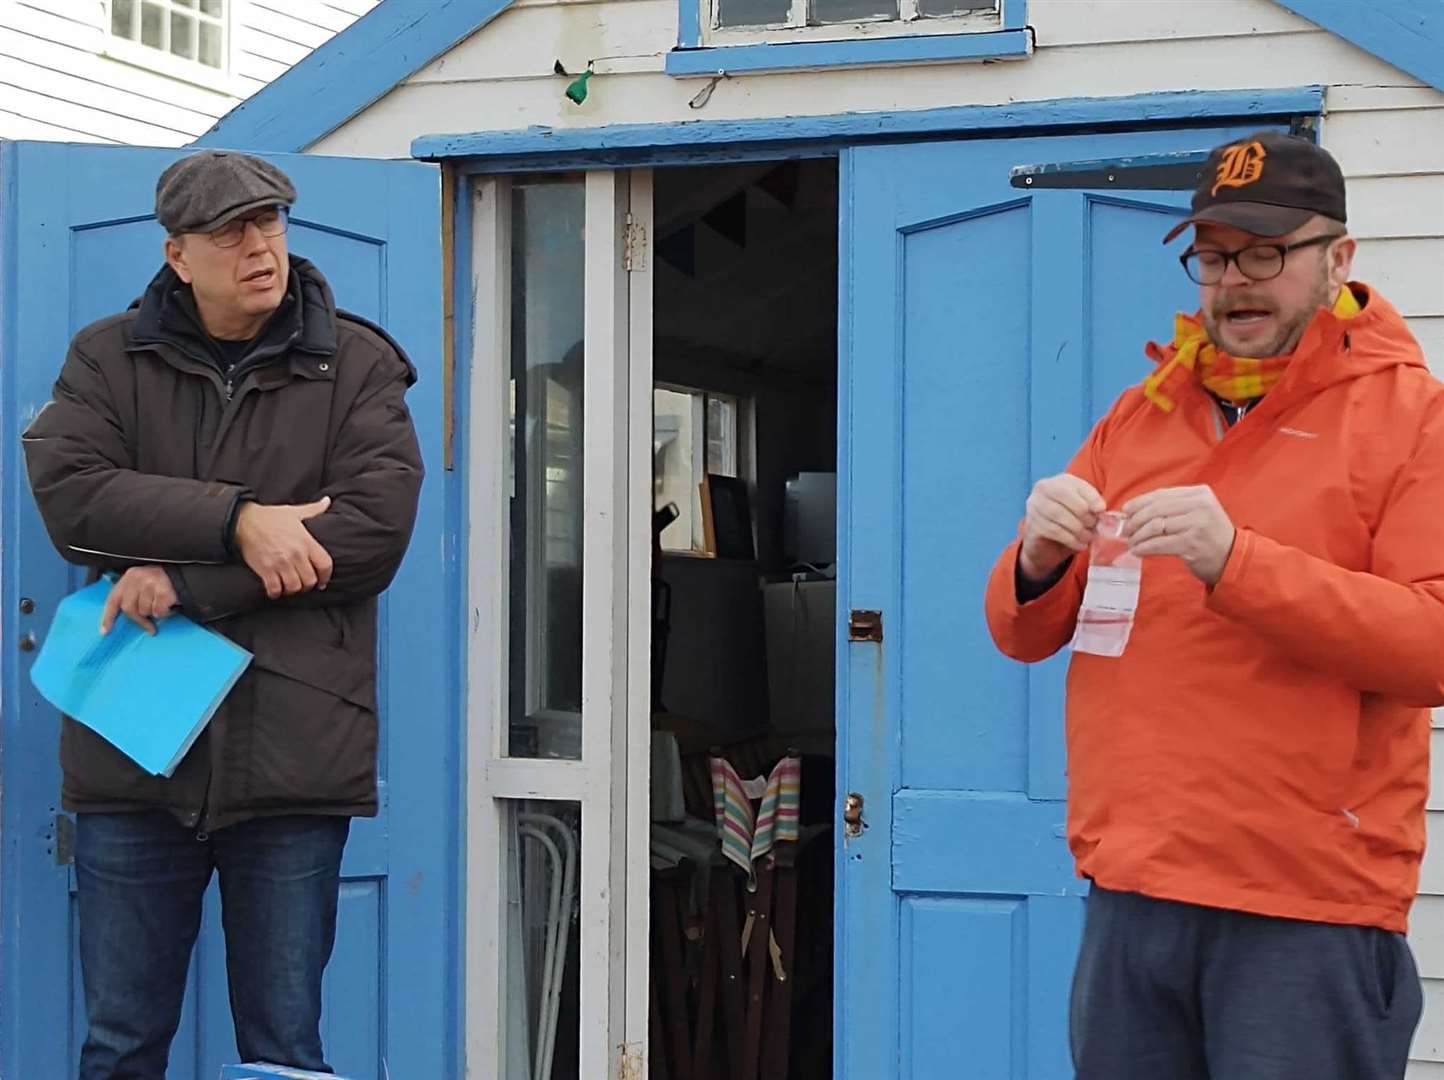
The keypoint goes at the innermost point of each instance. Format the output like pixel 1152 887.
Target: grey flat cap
pixel 205 190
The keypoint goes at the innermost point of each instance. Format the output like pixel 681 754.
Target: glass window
pixel 189 30
pixel 941 9
pixel 824 12
pixel 693 433
pixel 778 14
pixel 542 944
pixel 546 436
pixel 753 12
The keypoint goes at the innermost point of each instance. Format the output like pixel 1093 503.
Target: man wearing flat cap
pixel 1247 556
pixel 236 448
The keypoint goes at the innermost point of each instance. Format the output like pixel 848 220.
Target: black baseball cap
pixel 1267 184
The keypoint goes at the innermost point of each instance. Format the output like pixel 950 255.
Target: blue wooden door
pixel 78 241
pixel 984 328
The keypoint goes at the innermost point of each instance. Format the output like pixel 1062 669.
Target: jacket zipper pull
pixel 230 389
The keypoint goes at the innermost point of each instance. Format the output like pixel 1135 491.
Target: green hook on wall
pixel 576 91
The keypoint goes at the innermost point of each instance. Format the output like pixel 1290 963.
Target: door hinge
pixel 634 246
pixel 852 823
pixel 631 1062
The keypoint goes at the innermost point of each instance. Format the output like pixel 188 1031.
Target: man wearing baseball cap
pixel 236 448
pixel 1247 778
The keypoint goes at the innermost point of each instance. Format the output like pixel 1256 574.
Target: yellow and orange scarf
pixel 1232 378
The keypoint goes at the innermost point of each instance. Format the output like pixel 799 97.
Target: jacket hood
pixel 1332 349
pixel 306 319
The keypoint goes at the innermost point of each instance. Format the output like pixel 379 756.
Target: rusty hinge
pixel 634 246
pixel 864 626
pixel 852 823
pixel 631 1064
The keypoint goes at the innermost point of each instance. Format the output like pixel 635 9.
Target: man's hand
pixel 142 594
pixel 282 552
pixel 1188 522
pixel 1062 514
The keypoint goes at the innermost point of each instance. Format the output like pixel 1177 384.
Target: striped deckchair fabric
pixel 745 835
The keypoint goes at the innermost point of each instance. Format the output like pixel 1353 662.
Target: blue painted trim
pixel 350 71
pixel 689 24
pixel 817 136
pixel 1406 33
pixel 795 55
pixel 11 679
pixel 1015 14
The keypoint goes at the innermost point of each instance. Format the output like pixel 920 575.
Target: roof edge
pixel 1409 34
pixel 354 68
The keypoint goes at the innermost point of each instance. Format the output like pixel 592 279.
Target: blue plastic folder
pixel 149 696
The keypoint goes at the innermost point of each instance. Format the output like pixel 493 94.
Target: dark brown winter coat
pixel 143 456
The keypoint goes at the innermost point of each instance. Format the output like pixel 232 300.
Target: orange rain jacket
pixel 1264 746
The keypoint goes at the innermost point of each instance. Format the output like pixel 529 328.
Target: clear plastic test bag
pixel 1115 574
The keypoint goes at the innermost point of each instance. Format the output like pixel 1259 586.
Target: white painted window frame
pixel 612 780
pixel 908 24
pixel 164 62
pixel 701 463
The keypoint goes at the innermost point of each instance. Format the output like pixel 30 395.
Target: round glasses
pixel 270 222
pixel 1257 262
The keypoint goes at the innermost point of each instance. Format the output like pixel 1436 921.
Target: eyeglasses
pixel 270 222
pixel 1257 262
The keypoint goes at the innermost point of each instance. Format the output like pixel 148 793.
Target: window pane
pixel 933 9
pixel 183 35
pixel 152 26
pixel 676 476
pixel 547 266
pixel 823 12
pixel 122 16
pixel 216 8
pixel 721 436
pixel 183 3
pixel 752 12
pixel 212 51
pixel 542 943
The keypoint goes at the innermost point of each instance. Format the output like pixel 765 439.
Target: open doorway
pixel 744 610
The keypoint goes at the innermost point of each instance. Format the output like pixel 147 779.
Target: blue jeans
pixel 141 879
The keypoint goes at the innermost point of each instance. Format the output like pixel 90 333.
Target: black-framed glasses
pixel 270 222
pixel 1257 262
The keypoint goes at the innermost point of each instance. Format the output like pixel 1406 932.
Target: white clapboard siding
pixel 1429 1040
pixel 1388 142
pixel 1409 272
pixel 1424 1070
pixel 57 81
pixel 1384 207
pixel 1430 333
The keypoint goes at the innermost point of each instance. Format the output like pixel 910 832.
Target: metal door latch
pixel 852 823
pixel 864 626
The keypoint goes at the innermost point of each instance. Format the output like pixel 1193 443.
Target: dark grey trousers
pixel 1169 991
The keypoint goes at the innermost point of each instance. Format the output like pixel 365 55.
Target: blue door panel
pixel 78 242
pixel 984 328
pixel 954 380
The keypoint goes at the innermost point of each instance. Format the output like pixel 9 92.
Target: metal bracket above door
pixel 1151 172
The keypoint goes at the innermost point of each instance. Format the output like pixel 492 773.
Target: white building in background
pixel 148 72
